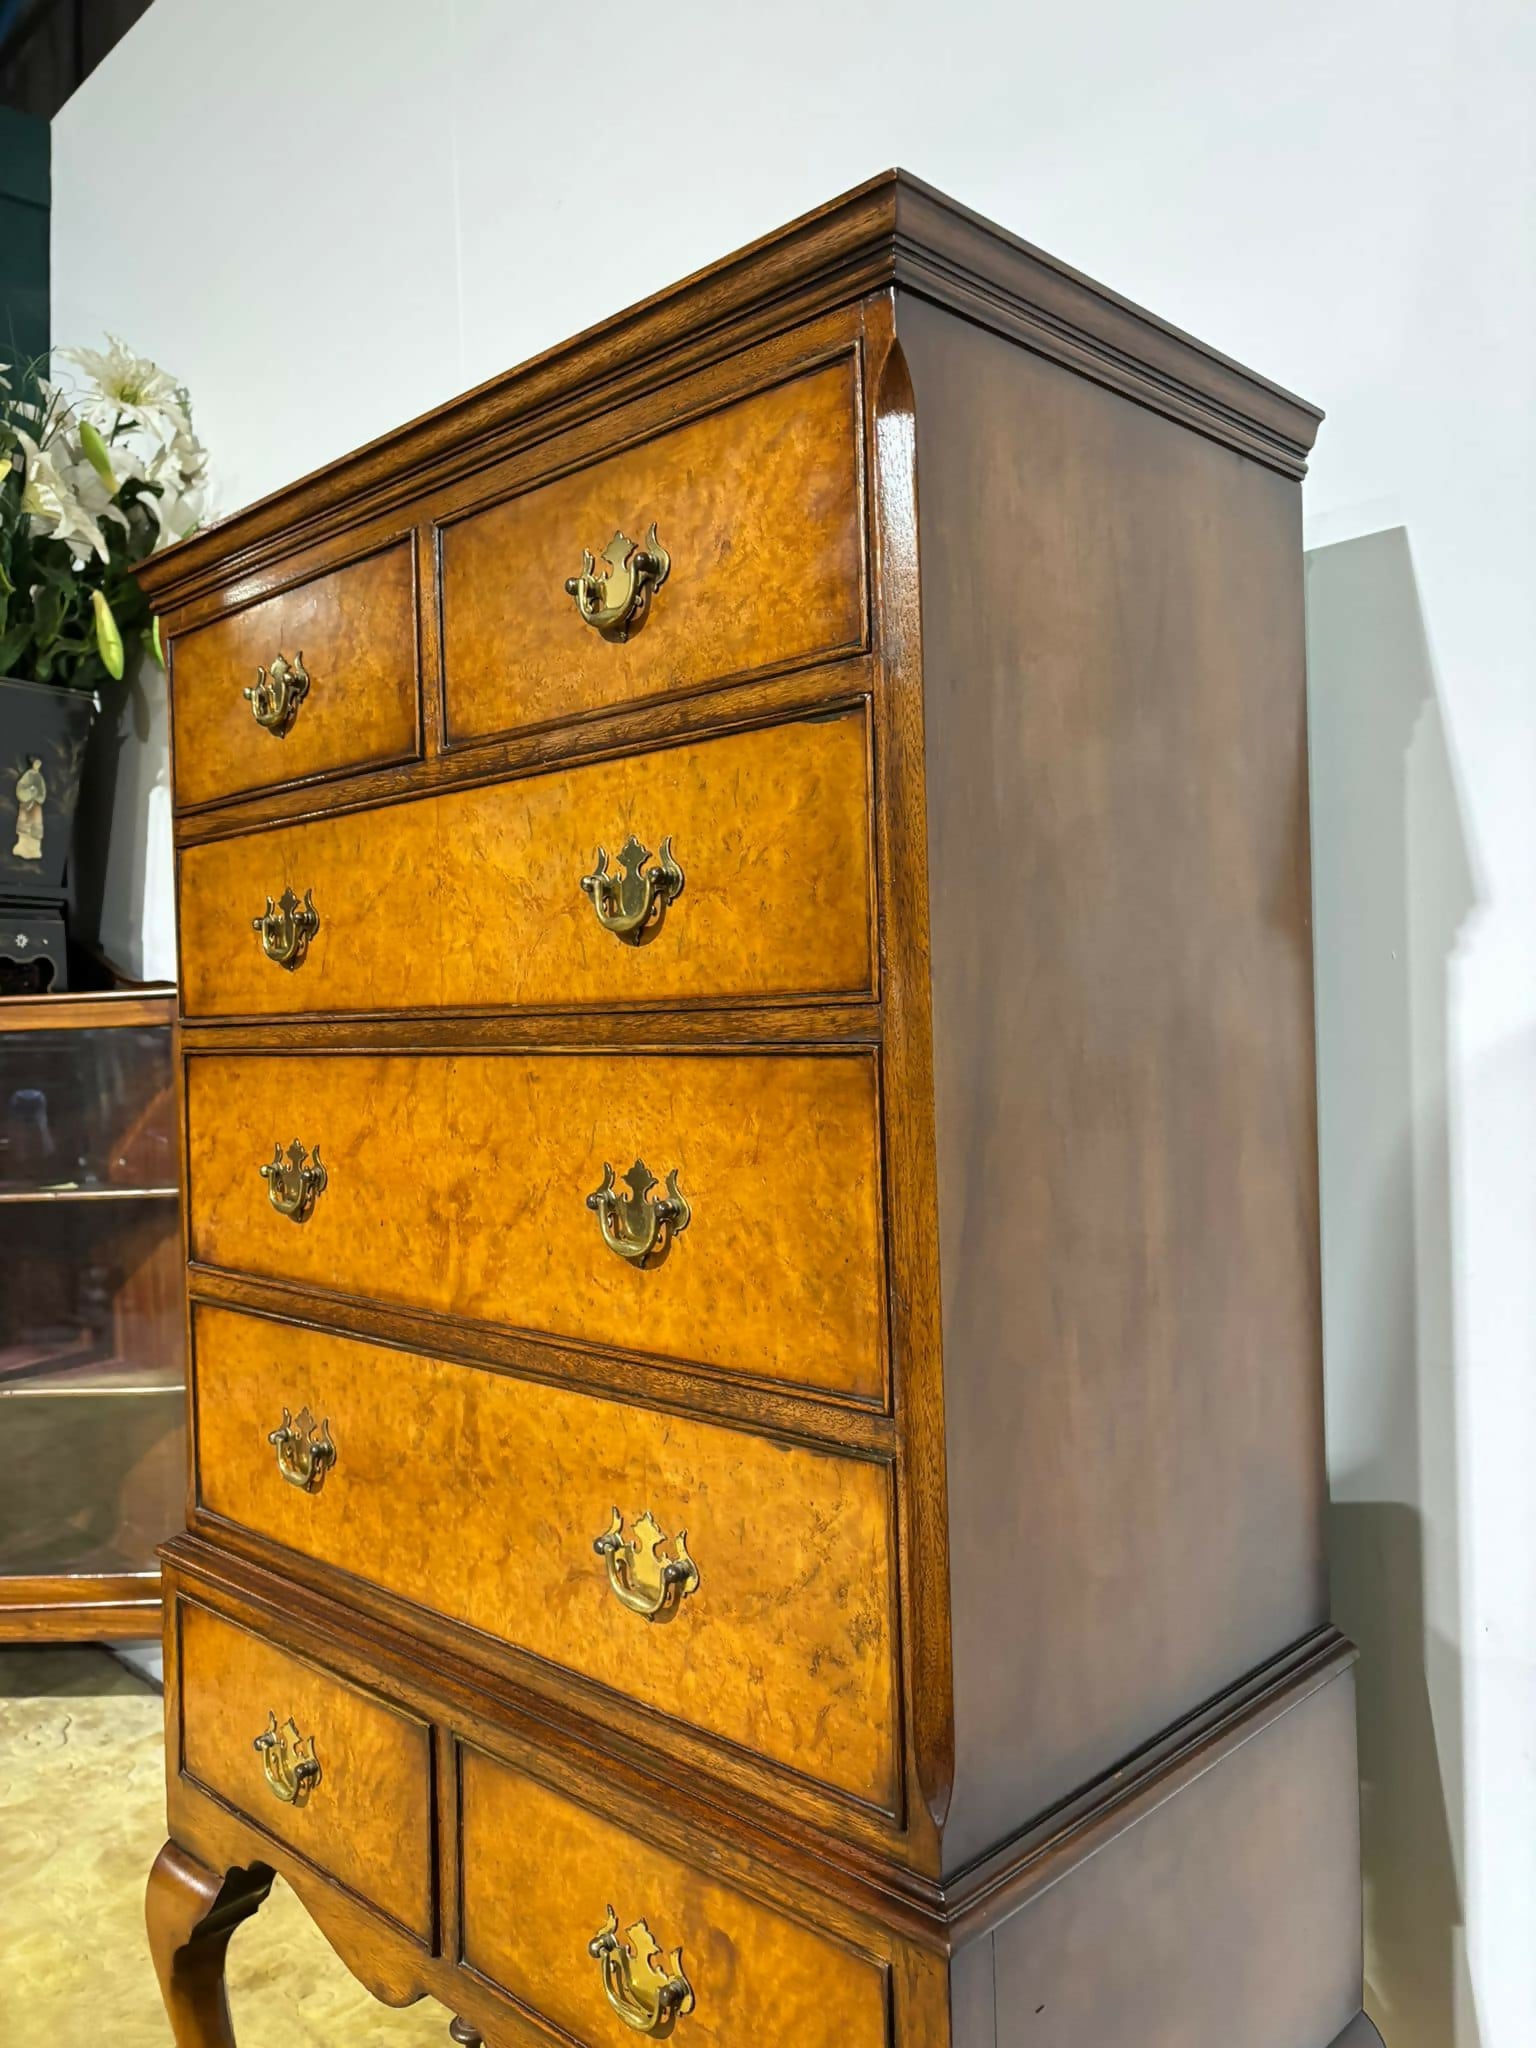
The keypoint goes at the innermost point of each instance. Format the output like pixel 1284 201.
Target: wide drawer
pixel 782 1643
pixel 476 897
pixel 351 633
pixel 546 1881
pixel 342 1778
pixel 461 1182
pixel 758 506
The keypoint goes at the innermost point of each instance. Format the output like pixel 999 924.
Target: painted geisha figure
pixel 31 790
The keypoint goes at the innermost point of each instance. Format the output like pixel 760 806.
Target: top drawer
pixel 758 508
pixel 355 629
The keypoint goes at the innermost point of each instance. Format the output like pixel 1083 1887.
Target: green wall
pixel 23 236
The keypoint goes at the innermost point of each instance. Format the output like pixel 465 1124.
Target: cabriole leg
pixel 191 1912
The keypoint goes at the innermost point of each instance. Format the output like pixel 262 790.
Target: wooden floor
pixel 82 1813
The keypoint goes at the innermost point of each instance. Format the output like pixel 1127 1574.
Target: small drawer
pixel 335 1773
pixel 310 682
pixel 777 1633
pixel 605 1937
pixel 730 869
pixel 758 510
pixel 512 1188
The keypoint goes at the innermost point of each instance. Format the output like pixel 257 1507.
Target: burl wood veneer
pixel 353 629
pixel 863 1580
pixel 545 1871
pixel 759 502
pixel 491 1221
pixel 791 1655
pixel 769 827
pixel 373 1832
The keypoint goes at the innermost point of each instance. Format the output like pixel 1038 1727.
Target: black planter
pixel 44 731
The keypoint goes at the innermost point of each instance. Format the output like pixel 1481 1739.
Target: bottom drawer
pixel 333 1772
pixel 603 1936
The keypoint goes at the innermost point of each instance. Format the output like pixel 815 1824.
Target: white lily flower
pixel 129 387
pixel 50 503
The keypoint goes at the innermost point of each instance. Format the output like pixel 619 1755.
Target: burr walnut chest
pixel 747 1084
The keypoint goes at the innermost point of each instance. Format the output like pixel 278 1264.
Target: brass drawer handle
pixel 286 928
pixel 632 905
pixel 645 1985
pixel 276 695
pixel 615 604
pixel 635 1227
pixel 642 1579
pixel 305 1452
pixel 289 1761
pixel 295 1181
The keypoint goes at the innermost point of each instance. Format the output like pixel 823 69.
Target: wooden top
pixel 894 230
pixel 153 1002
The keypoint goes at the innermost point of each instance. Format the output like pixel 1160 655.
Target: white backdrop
pixel 327 215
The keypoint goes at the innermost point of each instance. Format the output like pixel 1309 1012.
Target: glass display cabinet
pixel 91 1372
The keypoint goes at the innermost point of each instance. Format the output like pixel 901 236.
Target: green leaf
pixel 109 641
pixel 14 644
pixel 156 645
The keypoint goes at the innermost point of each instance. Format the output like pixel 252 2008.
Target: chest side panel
pixel 1122 992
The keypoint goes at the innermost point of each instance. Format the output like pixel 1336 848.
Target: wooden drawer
pixel 540 1874
pixel 366 1820
pixel 786 1644
pixel 475 898
pixel 459 1183
pixel 759 507
pixel 355 628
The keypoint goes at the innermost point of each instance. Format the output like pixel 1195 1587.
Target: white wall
pixel 329 214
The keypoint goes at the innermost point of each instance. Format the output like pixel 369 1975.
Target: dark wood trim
pixel 892 230
pixel 901 867
pixel 108 1607
pixel 431 709
pixel 823 689
pixel 105 1009
pixel 674 1805
pixel 809 1024
pixel 669 1787
pixel 979 1898
pixel 954 257
pixel 824 1421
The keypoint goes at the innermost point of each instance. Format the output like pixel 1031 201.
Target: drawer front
pixel 540 1874
pixel 475 898
pixel 356 631
pixel 783 1645
pixel 459 1183
pixel 758 507
pixel 366 1817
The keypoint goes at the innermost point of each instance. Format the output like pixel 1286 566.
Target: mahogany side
pixel 1122 1023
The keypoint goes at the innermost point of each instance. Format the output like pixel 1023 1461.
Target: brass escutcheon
pixel 642 1579
pixel 286 928
pixel 615 604
pixel 295 1180
pixel 645 1984
pixel 289 1761
pixel 635 1227
pixel 276 695
pixel 633 903
pixel 305 1452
